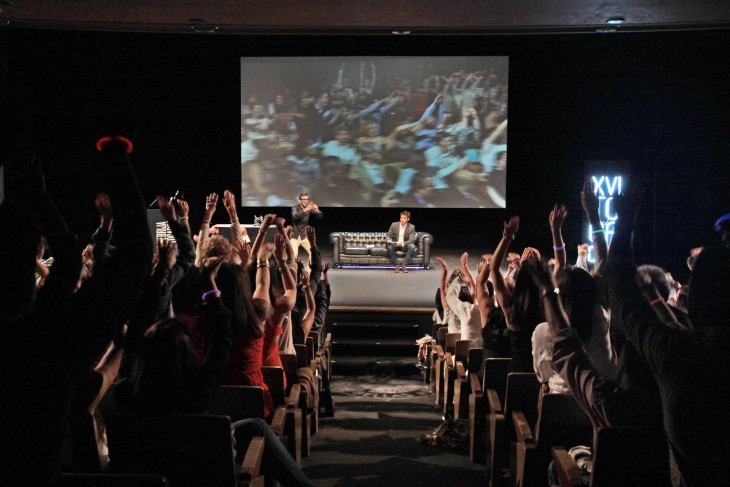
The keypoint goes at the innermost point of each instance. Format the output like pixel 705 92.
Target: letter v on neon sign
pixel 611 185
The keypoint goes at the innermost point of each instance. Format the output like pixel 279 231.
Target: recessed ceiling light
pixel 615 21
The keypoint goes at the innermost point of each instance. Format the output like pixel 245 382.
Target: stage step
pixel 367 342
pixel 375 365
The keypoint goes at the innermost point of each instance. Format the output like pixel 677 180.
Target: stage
pixel 383 288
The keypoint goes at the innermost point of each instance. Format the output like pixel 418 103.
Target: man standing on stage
pixel 402 235
pixel 300 215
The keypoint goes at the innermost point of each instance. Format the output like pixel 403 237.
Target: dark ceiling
pixel 368 16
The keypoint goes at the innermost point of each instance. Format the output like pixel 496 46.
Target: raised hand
pixel 243 249
pixel 305 279
pixel 103 205
pixel 442 261
pixel 325 268
pixel 530 253
pixel 229 199
pixel 211 201
pixel 167 253
pixel 279 247
pixel 182 207
pixel 511 227
pixel 557 216
pixel 589 200
pixel 210 270
pixel 279 223
pixel 166 208
pixel 268 220
pixel 464 259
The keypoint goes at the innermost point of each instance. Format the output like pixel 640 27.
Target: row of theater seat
pixel 196 449
pixel 517 430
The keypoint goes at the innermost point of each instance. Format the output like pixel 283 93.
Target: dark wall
pixel 657 100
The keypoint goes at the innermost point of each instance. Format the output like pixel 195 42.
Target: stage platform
pixel 383 288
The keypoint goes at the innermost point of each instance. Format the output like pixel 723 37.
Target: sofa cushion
pixel 379 251
pixel 357 250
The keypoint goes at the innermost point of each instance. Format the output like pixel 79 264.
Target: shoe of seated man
pixel 397 269
pixel 405 269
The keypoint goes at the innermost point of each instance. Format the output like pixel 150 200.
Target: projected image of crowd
pixel 428 132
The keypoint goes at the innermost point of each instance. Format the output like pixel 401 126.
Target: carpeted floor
pixel 373 439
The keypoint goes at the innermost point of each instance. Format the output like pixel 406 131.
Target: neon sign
pixel 605 187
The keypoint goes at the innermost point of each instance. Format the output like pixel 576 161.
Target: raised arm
pixel 259 241
pixel 501 292
pixel 485 301
pixel 308 318
pixel 554 312
pixel 589 200
pixel 185 247
pixel 557 218
pixel 468 277
pixel 238 233
pixel 211 201
pixel 444 283
pixel 183 210
pixel 284 303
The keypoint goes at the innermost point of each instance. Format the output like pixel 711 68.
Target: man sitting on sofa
pixel 402 235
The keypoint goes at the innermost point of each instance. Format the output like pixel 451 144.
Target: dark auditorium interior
pixel 644 83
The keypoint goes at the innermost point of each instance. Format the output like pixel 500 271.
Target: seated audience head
pixel 527 312
pixel 236 295
pixel 577 294
pixel 217 246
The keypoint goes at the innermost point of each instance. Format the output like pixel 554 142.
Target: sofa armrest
pixel 337 242
pixel 424 242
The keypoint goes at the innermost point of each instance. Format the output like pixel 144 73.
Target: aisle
pixel 372 440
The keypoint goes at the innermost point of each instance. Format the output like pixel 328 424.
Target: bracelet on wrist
pixel 656 301
pixel 559 247
pixel 212 292
pixel 547 292
pixel 184 218
pixel 506 235
pixel 596 232
pixel 262 263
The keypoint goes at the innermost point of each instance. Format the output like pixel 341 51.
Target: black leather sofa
pixel 368 248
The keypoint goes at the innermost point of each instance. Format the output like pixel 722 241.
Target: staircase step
pixel 374 365
pixel 376 346
pixel 374 330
